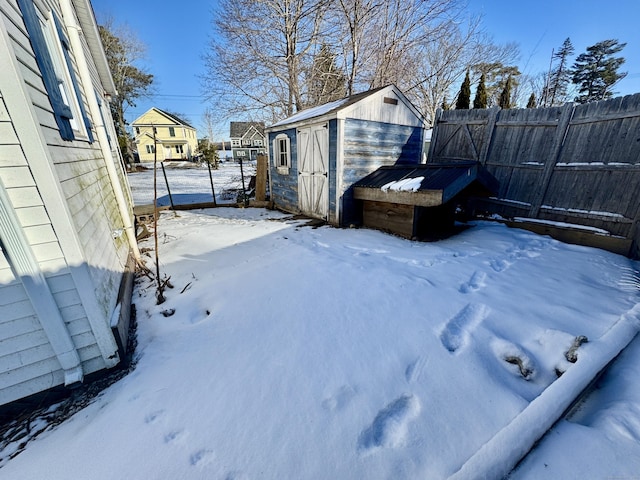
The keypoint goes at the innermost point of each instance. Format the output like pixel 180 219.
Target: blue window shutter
pixel 61 111
pixel 76 87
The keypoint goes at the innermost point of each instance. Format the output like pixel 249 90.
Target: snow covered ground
pixel 190 183
pixel 323 353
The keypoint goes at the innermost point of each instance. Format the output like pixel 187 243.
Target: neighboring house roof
pixel 239 129
pixel 332 108
pixel 175 119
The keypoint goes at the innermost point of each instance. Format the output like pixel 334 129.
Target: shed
pixel 67 241
pixel 420 200
pixel 318 154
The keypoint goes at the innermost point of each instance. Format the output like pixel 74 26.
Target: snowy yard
pixel 190 183
pixel 323 353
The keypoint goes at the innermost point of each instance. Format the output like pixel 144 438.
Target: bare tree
pixel 444 59
pixel 256 55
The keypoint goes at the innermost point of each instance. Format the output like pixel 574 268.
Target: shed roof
pixel 332 108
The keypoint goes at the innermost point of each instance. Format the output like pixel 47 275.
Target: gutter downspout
pixel 74 30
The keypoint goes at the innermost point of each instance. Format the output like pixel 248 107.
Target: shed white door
pixel 313 170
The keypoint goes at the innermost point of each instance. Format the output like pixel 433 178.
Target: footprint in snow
pixel 153 416
pixel 476 282
pixel 389 428
pixel 340 399
pixel 201 457
pixel 457 330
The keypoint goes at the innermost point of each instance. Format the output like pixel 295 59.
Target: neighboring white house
pixel 66 224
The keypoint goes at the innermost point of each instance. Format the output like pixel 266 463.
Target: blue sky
pixel 176 35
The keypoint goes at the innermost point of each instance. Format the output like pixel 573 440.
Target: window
pixel 179 149
pixel 235 142
pixel 53 56
pixel 282 153
pixel 257 142
pixel 246 141
pixel 137 130
pixel 172 132
pixel 241 153
pixel 151 149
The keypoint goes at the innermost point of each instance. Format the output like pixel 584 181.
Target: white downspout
pixel 85 77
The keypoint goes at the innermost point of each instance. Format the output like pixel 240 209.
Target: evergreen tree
pixel 464 96
pixel 560 75
pixel 496 75
pixel 596 71
pixel 505 96
pixel 532 101
pixel 480 101
pixel 326 81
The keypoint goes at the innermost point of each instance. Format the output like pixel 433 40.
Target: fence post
pixel 488 135
pixel 167 183
pixel 261 179
pixel 550 163
pixel 434 134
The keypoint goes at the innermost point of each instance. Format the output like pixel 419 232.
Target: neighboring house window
pixel 137 130
pixel 179 149
pixel 241 153
pixel 282 153
pixel 53 56
pixel 235 142
pixel 257 143
pixel 172 132
pixel 246 142
pixel 151 149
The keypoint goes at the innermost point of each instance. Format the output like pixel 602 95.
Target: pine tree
pixel 532 101
pixel 326 81
pixel 596 71
pixel 505 96
pixel 560 76
pixel 480 101
pixel 464 97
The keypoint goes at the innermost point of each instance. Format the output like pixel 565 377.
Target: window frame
pixel 172 131
pixel 282 157
pixel 54 58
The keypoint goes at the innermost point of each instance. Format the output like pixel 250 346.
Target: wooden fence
pixel 577 165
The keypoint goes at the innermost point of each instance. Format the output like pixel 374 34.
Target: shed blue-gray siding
pixel 368 146
pixel 284 187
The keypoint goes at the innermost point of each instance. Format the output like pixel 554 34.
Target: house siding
pixel 285 186
pixel 27 361
pixel 369 145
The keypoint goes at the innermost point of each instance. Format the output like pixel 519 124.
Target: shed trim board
pixel 35 149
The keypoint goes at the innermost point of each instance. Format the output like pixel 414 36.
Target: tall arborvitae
pixel 481 94
pixel 532 101
pixel 464 97
pixel 505 96
pixel 596 71
pixel 560 76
